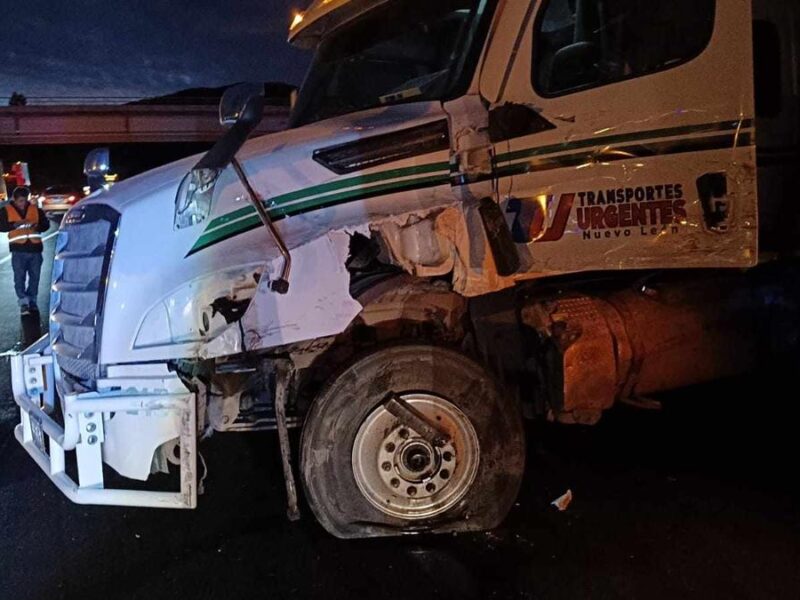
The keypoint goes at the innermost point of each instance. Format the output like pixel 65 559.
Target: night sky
pixel 130 49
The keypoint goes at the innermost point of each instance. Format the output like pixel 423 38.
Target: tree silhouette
pixel 17 99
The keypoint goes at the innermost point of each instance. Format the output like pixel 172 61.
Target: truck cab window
pixel 582 44
pixel 402 52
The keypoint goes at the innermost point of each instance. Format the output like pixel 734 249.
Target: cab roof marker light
pixel 298 18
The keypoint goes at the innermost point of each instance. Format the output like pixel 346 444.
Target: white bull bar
pixel 85 422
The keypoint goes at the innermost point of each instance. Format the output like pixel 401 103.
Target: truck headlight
pixel 193 202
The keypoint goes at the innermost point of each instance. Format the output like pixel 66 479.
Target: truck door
pixel 624 133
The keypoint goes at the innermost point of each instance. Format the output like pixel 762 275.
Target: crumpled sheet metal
pixel 317 304
pixel 132 439
pixel 455 245
pixel 411 299
pixel 571 236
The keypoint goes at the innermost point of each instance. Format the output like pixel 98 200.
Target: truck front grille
pixel 80 268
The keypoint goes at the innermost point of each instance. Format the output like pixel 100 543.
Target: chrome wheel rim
pixel 403 475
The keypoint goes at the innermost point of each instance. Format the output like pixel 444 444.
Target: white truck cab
pixel 483 208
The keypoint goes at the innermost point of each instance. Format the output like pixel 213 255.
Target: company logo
pixel 599 214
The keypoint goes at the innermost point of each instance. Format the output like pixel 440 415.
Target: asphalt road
pixel 699 500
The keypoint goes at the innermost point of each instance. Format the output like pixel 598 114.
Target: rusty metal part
pixel 587 380
pixel 626 344
pixel 410 417
pixel 642 403
pixel 283 375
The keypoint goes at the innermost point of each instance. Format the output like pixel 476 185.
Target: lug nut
pixel 403 433
pixel 387 466
pixel 444 474
pixel 431 487
pixel 395 482
pixel 412 491
pixel 390 447
pixel 447 456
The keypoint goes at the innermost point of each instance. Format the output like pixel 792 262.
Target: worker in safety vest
pixel 25 222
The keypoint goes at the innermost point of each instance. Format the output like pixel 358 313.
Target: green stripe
pixel 276 213
pixel 639 151
pixel 227 226
pixel 337 184
pixel 628 137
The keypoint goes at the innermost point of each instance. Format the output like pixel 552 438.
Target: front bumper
pixel 121 426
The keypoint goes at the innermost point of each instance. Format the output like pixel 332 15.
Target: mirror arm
pixel 224 151
pixel 280 285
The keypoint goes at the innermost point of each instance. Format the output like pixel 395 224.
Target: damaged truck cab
pixel 482 209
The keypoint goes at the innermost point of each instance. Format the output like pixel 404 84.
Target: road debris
pixel 563 502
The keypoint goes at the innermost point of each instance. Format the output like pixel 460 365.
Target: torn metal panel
pixel 415 246
pixel 133 438
pixel 472 152
pixel 317 305
pixel 413 300
pixel 448 241
pixel 199 309
pixel 474 269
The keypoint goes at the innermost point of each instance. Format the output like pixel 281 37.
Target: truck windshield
pixel 402 51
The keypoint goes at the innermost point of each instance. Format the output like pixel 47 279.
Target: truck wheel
pixel 450 459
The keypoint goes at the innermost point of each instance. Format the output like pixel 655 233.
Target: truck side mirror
pixel 241 110
pixel 96 165
pixel 97 162
pixel 242 103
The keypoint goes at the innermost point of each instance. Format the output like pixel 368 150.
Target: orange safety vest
pixel 21 235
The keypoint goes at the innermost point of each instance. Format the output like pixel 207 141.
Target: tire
pixel 343 444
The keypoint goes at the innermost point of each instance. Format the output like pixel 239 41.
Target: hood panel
pixel 153 263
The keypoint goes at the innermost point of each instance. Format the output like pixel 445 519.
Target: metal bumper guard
pixel 140 397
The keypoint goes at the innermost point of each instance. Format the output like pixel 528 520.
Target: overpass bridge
pixel 127 123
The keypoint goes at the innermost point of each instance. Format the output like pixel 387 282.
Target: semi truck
pixel 483 211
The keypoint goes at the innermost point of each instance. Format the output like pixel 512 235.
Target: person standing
pixel 25 223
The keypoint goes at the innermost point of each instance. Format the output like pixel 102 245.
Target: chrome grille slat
pixel 80 267
pixel 94 253
pixel 66 319
pixel 90 287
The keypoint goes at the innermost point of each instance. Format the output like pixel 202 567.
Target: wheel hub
pixel 404 475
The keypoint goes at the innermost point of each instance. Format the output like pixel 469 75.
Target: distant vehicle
pixel 58 199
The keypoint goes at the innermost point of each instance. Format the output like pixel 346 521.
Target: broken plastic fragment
pixel 563 502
